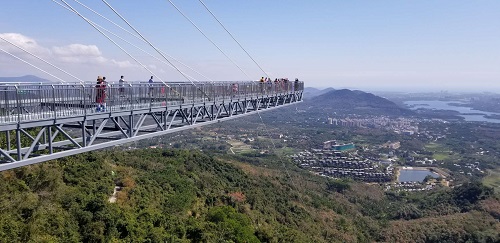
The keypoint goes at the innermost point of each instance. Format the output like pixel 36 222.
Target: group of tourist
pixel 279 83
pixel 101 91
pixel 101 87
pixel 277 80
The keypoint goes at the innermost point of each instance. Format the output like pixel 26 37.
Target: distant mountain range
pixel 310 92
pixel 24 79
pixel 355 101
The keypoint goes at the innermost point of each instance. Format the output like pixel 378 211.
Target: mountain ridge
pixel 310 92
pixel 346 100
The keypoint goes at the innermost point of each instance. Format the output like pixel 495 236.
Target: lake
pixel 414 175
pixel 445 105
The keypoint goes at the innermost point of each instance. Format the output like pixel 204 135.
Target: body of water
pixel 414 175
pixel 445 105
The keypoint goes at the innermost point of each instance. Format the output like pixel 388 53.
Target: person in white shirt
pixel 121 84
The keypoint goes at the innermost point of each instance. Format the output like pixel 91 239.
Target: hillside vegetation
pixel 188 196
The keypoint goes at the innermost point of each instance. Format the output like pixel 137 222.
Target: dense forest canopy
pixel 185 195
pixel 198 189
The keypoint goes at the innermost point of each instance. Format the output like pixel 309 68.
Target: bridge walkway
pixel 40 122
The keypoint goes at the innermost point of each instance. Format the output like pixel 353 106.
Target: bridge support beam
pixel 66 136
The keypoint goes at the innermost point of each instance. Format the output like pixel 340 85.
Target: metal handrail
pixel 26 102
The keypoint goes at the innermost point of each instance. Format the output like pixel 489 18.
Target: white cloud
pixel 23 42
pixel 61 56
pixel 123 64
pixel 79 50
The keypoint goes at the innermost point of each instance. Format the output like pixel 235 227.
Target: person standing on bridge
pixel 104 87
pixel 121 84
pixel 269 85
pixel 100 94
pixel 235 89
pixel 286 85
pixel 150 93
pixel 261 84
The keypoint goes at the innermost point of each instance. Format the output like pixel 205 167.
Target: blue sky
pixel 369 45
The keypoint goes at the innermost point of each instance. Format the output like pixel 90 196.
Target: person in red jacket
pixel 100 97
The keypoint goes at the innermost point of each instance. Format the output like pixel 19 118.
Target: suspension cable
pixel 126 40
pixel 258 111
pixel 104 17
pixel 213 15
pixel 156 49
pixel 146 40
pixel 275 149
pixel 190 68
pixel 208 38
pixel 138 37
pixel 20 59
pixel 95 27
pixel 149 54
pixel 41 59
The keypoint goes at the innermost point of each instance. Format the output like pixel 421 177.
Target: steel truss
pixel 60 137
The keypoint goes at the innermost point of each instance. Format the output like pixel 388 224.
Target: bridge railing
pixel 25 102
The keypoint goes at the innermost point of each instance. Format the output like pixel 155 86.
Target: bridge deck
pixel 41 122
pixel 20 103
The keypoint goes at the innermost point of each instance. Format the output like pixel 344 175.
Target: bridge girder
pixel 65 136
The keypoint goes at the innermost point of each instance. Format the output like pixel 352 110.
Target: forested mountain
pixel 189 196
pixel 355 101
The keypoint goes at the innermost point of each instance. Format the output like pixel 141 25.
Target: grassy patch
pixel 287 150
pixel 440 156
pixel 439 151
pixel 493 179
pixel 239 146
pixel 433 146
